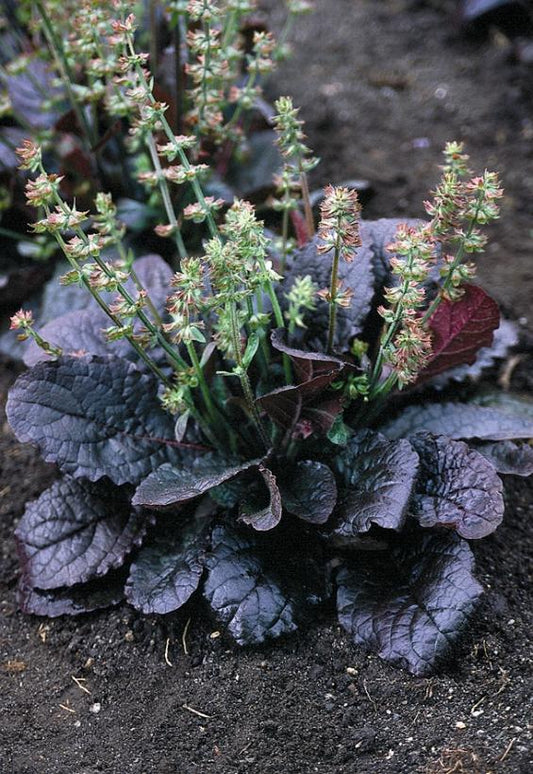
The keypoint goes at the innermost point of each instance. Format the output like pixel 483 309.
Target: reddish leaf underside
pixel 460 329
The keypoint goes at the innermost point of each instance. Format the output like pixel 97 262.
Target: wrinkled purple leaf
pixel 286 406
pixel 83 598
pixel 357 276
pixel 379 234
pixel 463 420
pixel 505 336
pixel 308 490
pixel 307 365
pixel 94 417
pixel 261 506
pixel 408 605
pixel 75 531
pixel 29 89
pixel 457 488
pixel 243 595
pixel 508 458
pixel 459 330
pixel 378 477
pixel 169 486
pixel 168 568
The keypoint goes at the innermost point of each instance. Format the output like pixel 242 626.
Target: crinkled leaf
pixel 247 598
pixel 154 274
pixel 463 420
pixel 309 491
pixel 408 605
pixel 75 600
pixel 169 486
pixel 261 506
pixel 379 234
pixel 77 333
pixel 94 417
pixel 357 276
pixel 459 330
pixel 304 402
pixel 168 568
pixel 457 488
pixel 77 530
pixel 508 457
pixel 378 479
pixel 505 336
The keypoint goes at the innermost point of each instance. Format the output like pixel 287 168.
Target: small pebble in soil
pixel 95 708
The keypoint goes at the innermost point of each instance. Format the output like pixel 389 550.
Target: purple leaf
pixel 457 488
pixel 408 605
pixel 508 458
pixel 28 91
pixel 248 599
pixel 460 329
pixel 94 417
pixel 308 490
pixel 378 477
pixel 83 598
pixel 168 568
pixel 257 513
pixel 307 365
pixel 169 486
pixel 76 531
pixel 464 420
pixel 357 276
pixel 286 406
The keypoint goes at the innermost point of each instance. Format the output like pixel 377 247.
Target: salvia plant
pixel 267 425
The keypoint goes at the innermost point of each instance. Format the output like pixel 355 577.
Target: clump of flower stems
pixel 226 297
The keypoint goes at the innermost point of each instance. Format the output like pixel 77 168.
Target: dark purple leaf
pixel 287 406
pixel 83 598
pixel 505 336
pixel 77 530
pixel 308 490
pixel 77 333
pixel 457 488
pixel 408 605
pixel 464 420
pixel 508 458
pixel 154 274
pixel 168 568
pixel 512 16
pixel 261 506
pixel 94 417
pixel 378 235
pixel 11 138
pixel 169 486
pixel 253 175
pixel 378 477
pixel 459 330
pixel 357 276
pixel 307 365
pixel 248 599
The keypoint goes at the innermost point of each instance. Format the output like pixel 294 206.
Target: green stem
pixel 204 389
pixel 308 210
pixel 165 194
pixel 333 295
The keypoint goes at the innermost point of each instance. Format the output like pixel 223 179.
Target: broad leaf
pixel 459 330
pixel 75 600
pixel 94 417
pixel 244 596
pixel 408 605
pixel 508 457
pixel 464 420
pixel 75 531
pixel 309 491
pixel 505 336
pixel 303 404
pixel 379 234
pixel 378 477
pixel 261 506
pixel 169 486
pixel 168 568
pixel 307 365
pixel 254 174
pixel 28 92
pixel 357 276
pixel 457 488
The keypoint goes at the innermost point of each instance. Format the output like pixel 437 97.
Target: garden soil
pixel 382 85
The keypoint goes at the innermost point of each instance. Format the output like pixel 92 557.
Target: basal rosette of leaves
pixel 141 516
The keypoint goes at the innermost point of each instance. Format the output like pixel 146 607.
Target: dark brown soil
pixel 116 693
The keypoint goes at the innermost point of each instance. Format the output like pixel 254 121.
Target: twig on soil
pixel 79 682
pixel 369 697
pixel 507 750
pixel 67 708
pixel 476 705
pixel 504 380
pixel 195 711
pixel 184 637
pixel 167 660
